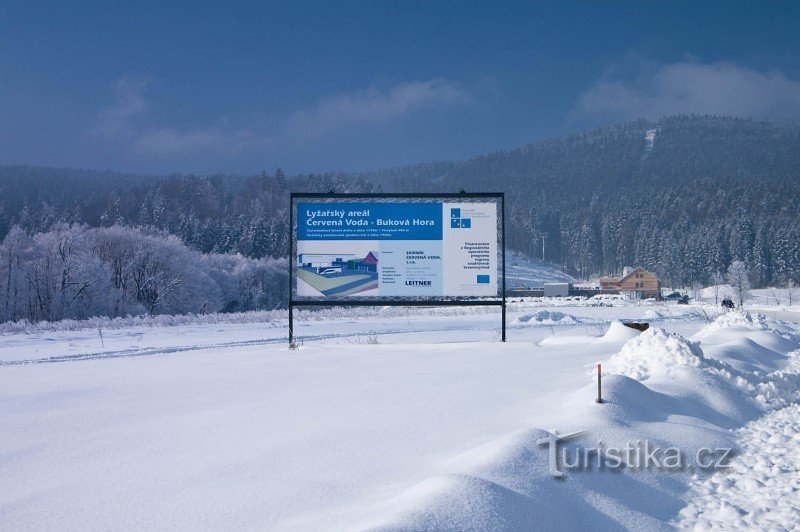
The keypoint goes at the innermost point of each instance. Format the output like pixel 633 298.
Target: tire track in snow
pixel 139 352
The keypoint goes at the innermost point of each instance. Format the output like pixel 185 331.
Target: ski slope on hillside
pixel 523 271
pixel 412 418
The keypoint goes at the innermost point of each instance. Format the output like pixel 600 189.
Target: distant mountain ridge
pixel 707 148
pixel 682 196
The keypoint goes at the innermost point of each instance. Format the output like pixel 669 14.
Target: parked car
pixel 328 271
pixel 728 303
pixel 683 300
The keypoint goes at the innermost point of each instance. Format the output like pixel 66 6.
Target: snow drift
pixel 546 317
pixel 654 351
pixel 617 332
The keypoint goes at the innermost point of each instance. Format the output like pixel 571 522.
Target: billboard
pixel 396 247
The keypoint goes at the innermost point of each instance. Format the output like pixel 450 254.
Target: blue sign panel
pixel 367 221
pixel 395 249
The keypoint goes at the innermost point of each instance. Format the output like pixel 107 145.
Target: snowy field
pixel 395 418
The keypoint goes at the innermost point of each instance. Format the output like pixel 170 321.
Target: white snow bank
pixel 686 399
pixel 503 485
pixel 547 317
pixel 654 315
pixel 747 355
pixel 781 388
pixel 654 351
pixel 741 321
pixel 699 407
pixel 760 490
pixel 749 342
pixel 617 332
pixel 506 485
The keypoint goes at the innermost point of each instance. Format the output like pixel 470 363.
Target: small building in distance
pixel 637 282
pixel 557 289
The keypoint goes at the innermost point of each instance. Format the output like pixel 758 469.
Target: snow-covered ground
pixel 395 418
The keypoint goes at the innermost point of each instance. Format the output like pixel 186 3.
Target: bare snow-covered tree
pixel 64 279
pixel 717 282
pixel 739 279
pixel 76 272
pixel 116 246
pixel 156 272
pixel 697 289
pixel 791 290
pixel 776 296
pixel 17 248
pixel 249 284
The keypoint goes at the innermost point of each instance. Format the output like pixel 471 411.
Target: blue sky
pixel 311 86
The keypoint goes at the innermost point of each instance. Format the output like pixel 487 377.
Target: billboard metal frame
pixel 498 301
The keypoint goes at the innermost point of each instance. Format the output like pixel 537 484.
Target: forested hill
pixel 683 196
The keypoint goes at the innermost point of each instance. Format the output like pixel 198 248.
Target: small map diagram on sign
pixel 338 274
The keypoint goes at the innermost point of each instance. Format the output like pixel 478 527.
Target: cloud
pixel 129 121
pixel 169 141
pixel 124 121
pixel 372 106
pixel 721 88
pixel 128 103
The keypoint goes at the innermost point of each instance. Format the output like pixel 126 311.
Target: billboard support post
pixel 291 251
pixel 503 259
pixel 334 269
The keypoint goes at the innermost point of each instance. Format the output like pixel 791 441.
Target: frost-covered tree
pixel 64 279
pixel 76 272
pixel 697 289
pixel 15 252
pixel 717 280
pixel 739 278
